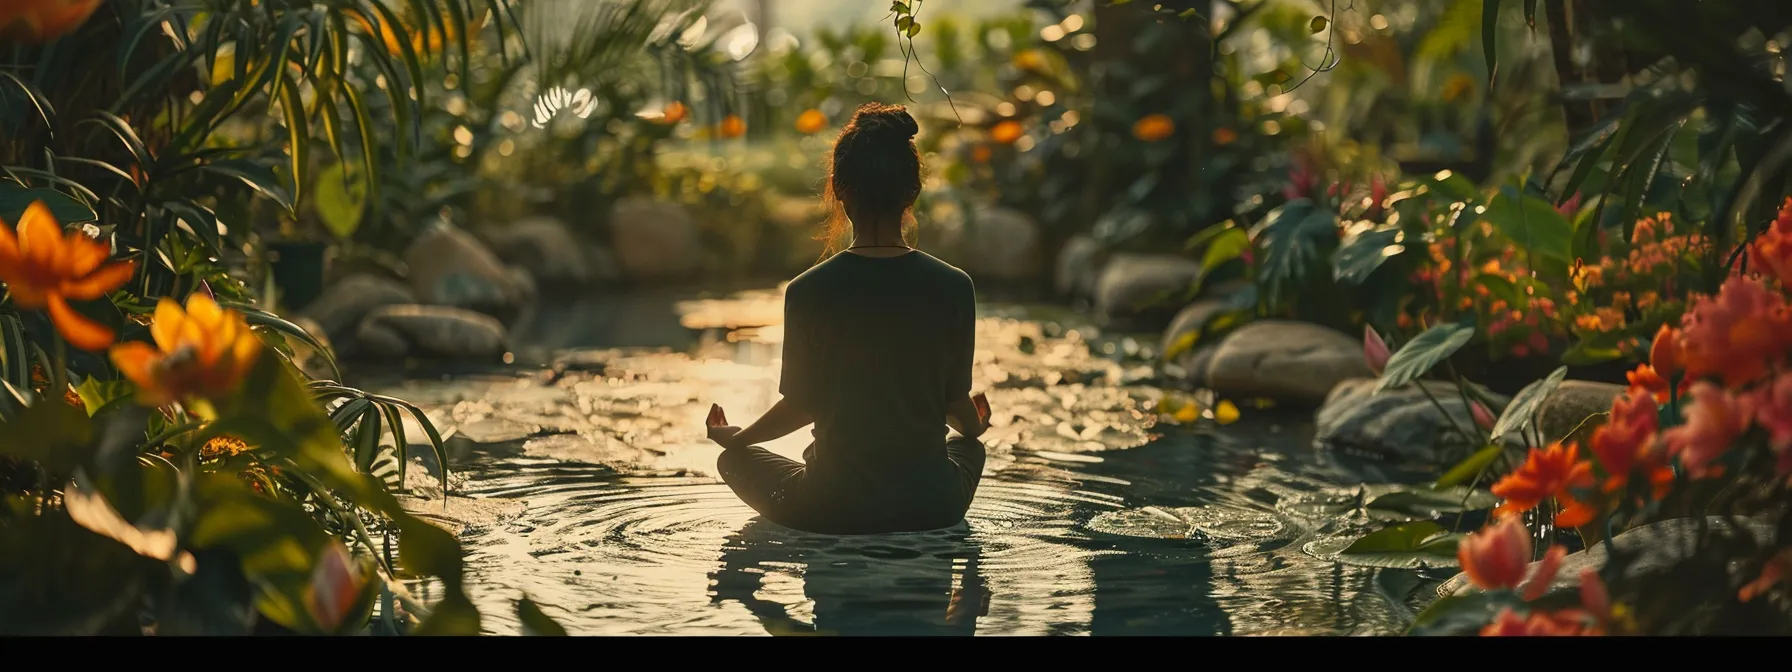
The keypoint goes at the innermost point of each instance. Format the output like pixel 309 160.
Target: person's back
pixel 877 355
pixel 876 348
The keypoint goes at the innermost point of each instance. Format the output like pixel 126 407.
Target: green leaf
pixel 536 622
pixel 298 133
pixel 57 436
pixel 1423 352
pixel 1318 24
pixel 1490 25
pixel 1533 224
pixel 1469 469
pixel 1414 545
pixel 1292 239
pixel 1461 615
pixel 258 177
pixel 15 198
pixel 454 616
pixel 899 7
pixel 1530 13
pixel 1585 354
pixel 1430 502
pixel 1363 252
pixel 426 549
pixel 1523 408
pixel 96 394
pixel 341 200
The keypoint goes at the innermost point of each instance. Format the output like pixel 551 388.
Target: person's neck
pixel 878 232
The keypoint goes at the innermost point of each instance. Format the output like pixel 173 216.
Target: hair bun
pixel 891 121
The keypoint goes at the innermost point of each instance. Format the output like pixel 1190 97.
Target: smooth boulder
pixel 1138 291
pixel 1187 364
pixel 345 303
pixel 547 248
pixel 449 267
pixel 1294 363
pixel 654 240
pixel 1079 267
pixel 438 332
pixel 1400 423
pixel 1659 545
pixel 1004 246
pixel 1567 408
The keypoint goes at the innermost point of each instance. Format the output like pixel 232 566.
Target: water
pixel 592 492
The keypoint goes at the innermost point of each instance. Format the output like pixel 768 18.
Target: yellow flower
pixel 1187 414
pixel 44 269
pixel 1225 413
pixel 1153 127
pixel 39 21
pixel 811 121
pixel 223 446
pixel 201 352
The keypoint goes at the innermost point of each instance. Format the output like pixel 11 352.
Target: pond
pixel 588 487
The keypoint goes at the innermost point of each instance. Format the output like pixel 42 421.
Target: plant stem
pixel 1446 412
pixel 172 432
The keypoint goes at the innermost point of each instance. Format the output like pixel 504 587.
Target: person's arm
pixel 778 422
pixel 968 416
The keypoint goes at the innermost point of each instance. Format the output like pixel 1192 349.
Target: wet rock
pixel 461 515
pixel 1187 366
pixel 546 248
pixel 1138 291
pixel 449 267
pixel 654 240
pixel 1291 362
pixel 431 331
pixel 1400 423
pixel 1004 246
pixel 1078 267
pixel 1571 404
pixel 1660 545
pixel 342 306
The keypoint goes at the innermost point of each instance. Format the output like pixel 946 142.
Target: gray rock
pixel 1571 404
pixel 547 248
pixel 1079 267
pixel 1188 366
pixel 654 240
pixel 1661 545
pixel 449 267
pixel 344 304
pixel 1132 289
pixel 1004 246
pixel 1290 362
pixel 1400 423
pixel 432 331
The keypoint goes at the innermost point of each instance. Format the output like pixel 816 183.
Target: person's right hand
pixel 719 430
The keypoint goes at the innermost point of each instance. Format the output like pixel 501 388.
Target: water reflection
pixel 907 584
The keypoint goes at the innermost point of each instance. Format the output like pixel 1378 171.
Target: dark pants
pixel 784 492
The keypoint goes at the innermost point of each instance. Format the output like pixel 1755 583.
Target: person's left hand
pixel 719 429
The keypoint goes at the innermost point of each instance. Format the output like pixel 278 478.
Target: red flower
pixel 1771 253
pixel 1736 334
pixel 1626 441
pixel 1495 557
pixel 1548 473
pixel 1713 421
pixel 1664 353
pixel 1566 623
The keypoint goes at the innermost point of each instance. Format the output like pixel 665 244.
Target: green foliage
pixel 1424 352
pixel 1410 546
pixel 1523 410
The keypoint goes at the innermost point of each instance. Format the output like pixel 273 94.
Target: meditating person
pixel 877 355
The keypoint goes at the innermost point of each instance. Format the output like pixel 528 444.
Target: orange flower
pixel 1664 353
pixel 1773 412
pixel 1223 136
pixel 223 446
pixel 811 121
pixel 1006 132
pixel 1548 473
pixel 1645 381
pixel 1771 253
pixel 1565 623
pixel 201 352
pixel 675 112
pixel 44 270
pixel 1736 334
pixel 1626 441
pixel 1495 558
pixel 39 21
pixel 1714 420
pixel 732 126
pixel 981 153
pixel 1775 571
pixel 1153 127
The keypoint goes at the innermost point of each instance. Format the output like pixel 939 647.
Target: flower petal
pixel 167 325
pixel 203 310
pixel 80 255
pixel 81 332
pixel 1574 513
pixel 28 296
pixel 98 283
pixel 12 263
pixel 1546 573
pixel 134 360
pixel 40 236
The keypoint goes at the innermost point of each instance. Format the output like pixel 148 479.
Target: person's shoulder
pixel 957 274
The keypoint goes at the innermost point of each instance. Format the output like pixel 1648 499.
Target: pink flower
pixel 1571 206
pixel 1375 350
pixel 1736 334
pixel 1714 420
pixel 1483 417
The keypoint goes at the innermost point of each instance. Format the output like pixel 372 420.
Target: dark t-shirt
pixel 875 348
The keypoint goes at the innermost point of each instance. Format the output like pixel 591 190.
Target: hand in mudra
pixel 719 429
pixel 981 404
